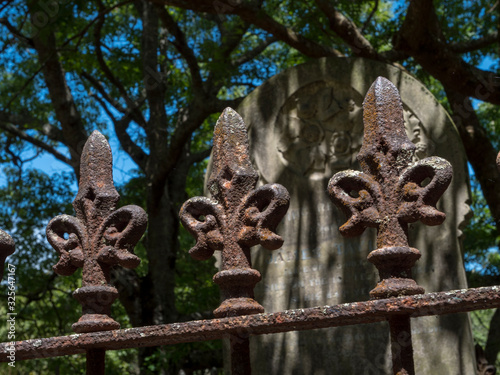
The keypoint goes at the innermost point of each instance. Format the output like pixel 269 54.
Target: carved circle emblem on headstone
pixel 304 125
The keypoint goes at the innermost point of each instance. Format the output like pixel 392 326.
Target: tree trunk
pixel 482 156
pixel 162 247
pixel 66 111
pixel 479 149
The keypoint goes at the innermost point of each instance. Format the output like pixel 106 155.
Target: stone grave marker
pixel 305 125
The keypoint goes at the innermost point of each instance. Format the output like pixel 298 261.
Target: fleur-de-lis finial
pixel 98 238
pixel 391 191
pixel 238 217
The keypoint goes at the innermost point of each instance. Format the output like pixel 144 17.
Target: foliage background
pixel 153 76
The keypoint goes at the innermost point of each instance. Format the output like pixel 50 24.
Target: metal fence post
pixel 238 218
pixel 99 237
pixel 390 193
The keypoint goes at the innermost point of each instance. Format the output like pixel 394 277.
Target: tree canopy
pixel 155 74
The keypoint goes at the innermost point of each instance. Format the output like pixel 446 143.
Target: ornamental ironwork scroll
pixel 238 217
pixel 98 238
pixel 390 193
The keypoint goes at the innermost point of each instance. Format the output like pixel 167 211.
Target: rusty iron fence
pixel 389 194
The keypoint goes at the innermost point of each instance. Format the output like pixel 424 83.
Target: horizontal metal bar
pixel 243 326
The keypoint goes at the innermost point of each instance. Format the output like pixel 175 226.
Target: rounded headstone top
pixel 311 122
pixel 304 125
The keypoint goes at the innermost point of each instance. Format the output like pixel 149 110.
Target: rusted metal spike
pixel 97 196
pixel 386 149
pixel 98 238
pixel 390 192
pixel 231 161
pixel 238 217
pixel 7 248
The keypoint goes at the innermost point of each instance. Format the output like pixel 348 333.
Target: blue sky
pixel 122 164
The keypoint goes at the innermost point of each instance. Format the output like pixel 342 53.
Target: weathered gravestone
pixel 305 125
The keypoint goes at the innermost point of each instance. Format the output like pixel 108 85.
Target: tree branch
pixel 35 142
pixel 230 38
pixel 251 54
pixel 53 132
pixel 370 16
pixel 16 32
pixel 219 105
pixel 478 147
pixel 100 89
pixel 348 31
pixel 104 106
pixel 104 66
pixel 181 45
pixel 189 119
pixel 199 156
pixel 421 37
pixel 131 148
pixel 25 84
pixel 65 108
pixel 7 3
pixel 252 14
pixel 49 130
pixel 121 126
pixel 393 55
pixel 475 44
pixel 101 15
pixel 262 20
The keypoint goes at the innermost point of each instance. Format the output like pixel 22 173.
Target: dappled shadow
pixel 295 145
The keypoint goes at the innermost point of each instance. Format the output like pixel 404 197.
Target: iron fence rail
pixel 373 311
pixel 391 192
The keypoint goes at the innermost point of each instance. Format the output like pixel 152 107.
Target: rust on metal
pixel 98 238
pixel 267 323
pixel 237 218
pixel 400 332
pixel 7 248
pixel 391 191
pixel 95 364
